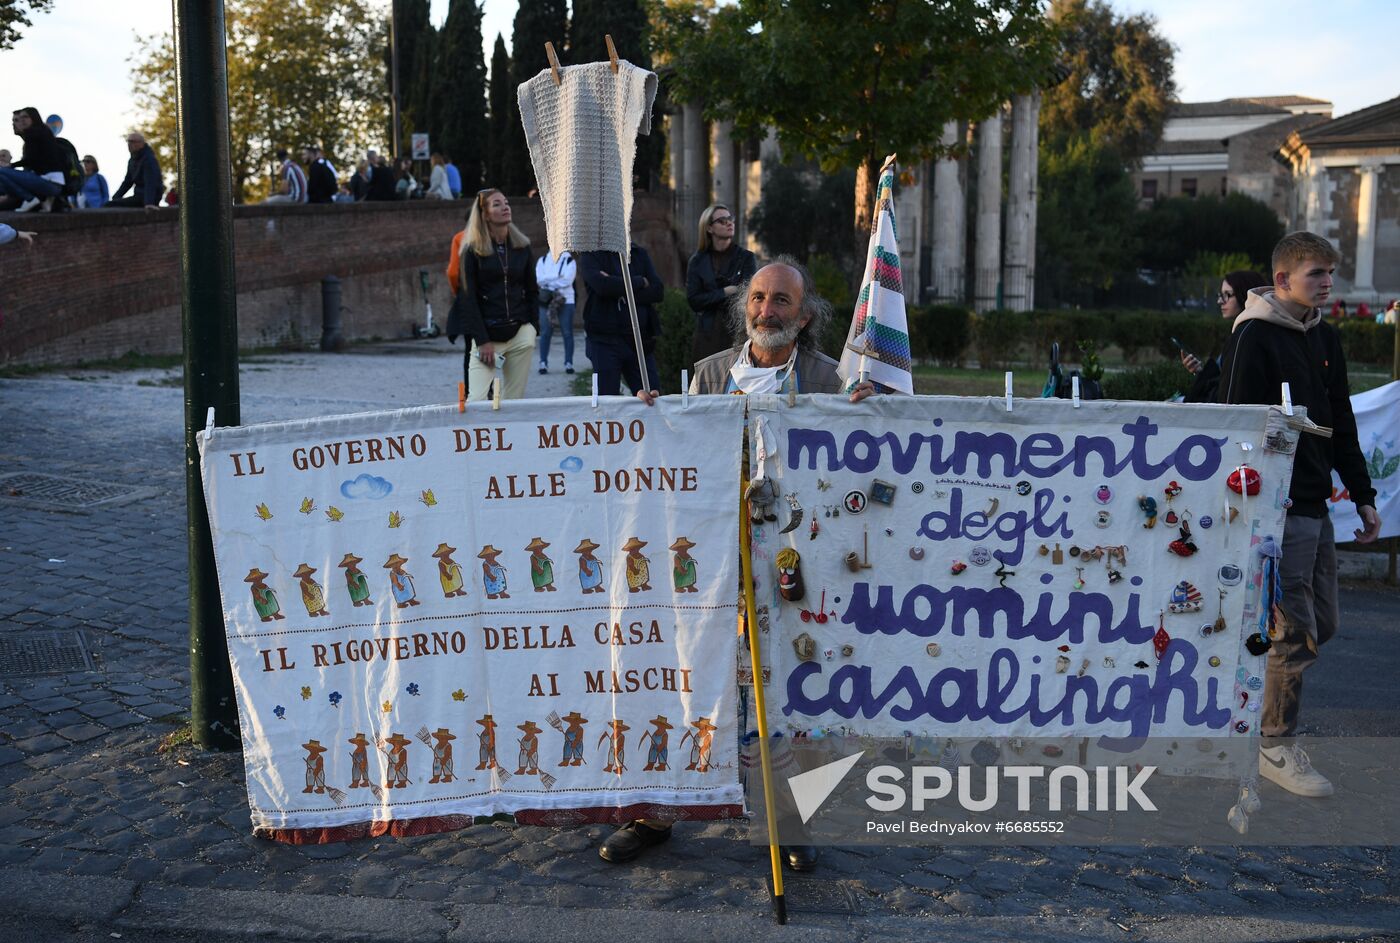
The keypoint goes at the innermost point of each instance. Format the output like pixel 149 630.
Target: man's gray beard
pixel 771 341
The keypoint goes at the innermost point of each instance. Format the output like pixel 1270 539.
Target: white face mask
pixel 754 380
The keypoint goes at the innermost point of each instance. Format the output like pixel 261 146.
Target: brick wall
pixel 99 284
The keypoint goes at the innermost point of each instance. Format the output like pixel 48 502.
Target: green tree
pixel 803 212
pixel 1100 119
pixel 296 74
pixel 502 93
pixel 536 23
pixel 626 21
pixel 461 93
pixel 14 14
pixel 1085 217
pixel 846 82
pixel 1119 79
pixel 1174 231
pixel 416 41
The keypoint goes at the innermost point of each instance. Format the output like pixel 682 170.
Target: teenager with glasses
pixel 713 275
pixel 1234 290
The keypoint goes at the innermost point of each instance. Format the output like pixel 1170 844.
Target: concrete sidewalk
pixel 103 830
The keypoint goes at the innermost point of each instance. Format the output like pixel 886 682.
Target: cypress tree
pixel 461 93
pixel 536 22
pixel 416 40
pixel 502 107
pixel 626 21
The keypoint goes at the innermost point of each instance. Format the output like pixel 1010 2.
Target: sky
pixel 74 60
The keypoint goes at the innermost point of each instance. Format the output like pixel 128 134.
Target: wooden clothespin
pixel 553 63
pixel 461 397
pixel 612 52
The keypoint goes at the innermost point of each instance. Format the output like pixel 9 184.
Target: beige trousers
pixel 519 356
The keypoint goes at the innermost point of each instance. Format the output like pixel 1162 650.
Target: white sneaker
pixel 28 205
pixel 1289 767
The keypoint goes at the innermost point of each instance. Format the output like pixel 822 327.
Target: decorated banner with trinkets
pixel 434 614
pixel 946 567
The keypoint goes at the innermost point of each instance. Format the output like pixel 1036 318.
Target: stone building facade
pixel 950 251
pixel 1215 148
pixel 1345 185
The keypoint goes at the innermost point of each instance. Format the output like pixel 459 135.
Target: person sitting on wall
pixel 293 181
pixel 143 177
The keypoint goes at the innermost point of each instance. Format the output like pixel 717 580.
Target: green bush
pixel 1367 342
pixel 940 333
pixel 999 336
pixel 1135 331
pixel 833 284
pixel 1202 333
pixel 1069 329
pixel 673 346
pixel 1155 383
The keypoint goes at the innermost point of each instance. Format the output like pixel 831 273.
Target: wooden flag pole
pixel 760 702
pixel 636 326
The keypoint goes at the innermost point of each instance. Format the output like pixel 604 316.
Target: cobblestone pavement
pixel 91 795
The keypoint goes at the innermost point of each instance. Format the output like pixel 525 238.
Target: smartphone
pixel 1181 347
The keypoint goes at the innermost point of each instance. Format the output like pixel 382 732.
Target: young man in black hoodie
pixel 38 174
pixel 1281 337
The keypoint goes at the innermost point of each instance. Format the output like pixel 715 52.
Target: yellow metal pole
pixel 760 703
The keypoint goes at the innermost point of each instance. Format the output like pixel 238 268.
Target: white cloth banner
pixel 1378 430
pixel 978 572
pixel 434 613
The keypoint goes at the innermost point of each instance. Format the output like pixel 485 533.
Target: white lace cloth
pixel 582 136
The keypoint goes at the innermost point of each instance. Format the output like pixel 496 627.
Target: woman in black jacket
pixel 498 300
pixel 713 274
pixel 1234 291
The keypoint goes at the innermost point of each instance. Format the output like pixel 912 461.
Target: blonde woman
pixel 713 274
pixel 497 304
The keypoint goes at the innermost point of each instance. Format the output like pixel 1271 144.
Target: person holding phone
pixel 1234 291
pixel 497 299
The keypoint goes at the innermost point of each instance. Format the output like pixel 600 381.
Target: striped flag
pixel 878 340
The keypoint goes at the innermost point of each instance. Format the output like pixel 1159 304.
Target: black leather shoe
pixel 631 840
pixel 801 857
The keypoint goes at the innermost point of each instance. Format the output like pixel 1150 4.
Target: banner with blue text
pixel 435 614
pixel 962 570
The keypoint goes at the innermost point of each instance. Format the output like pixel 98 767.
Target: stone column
pixel 697 162
pixel 675 137
pixel 987 273
pixel 909 213
pixel 949 215
pixel 1018 273
pixel 724 167
pixel 1366 231
pixel 768 151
